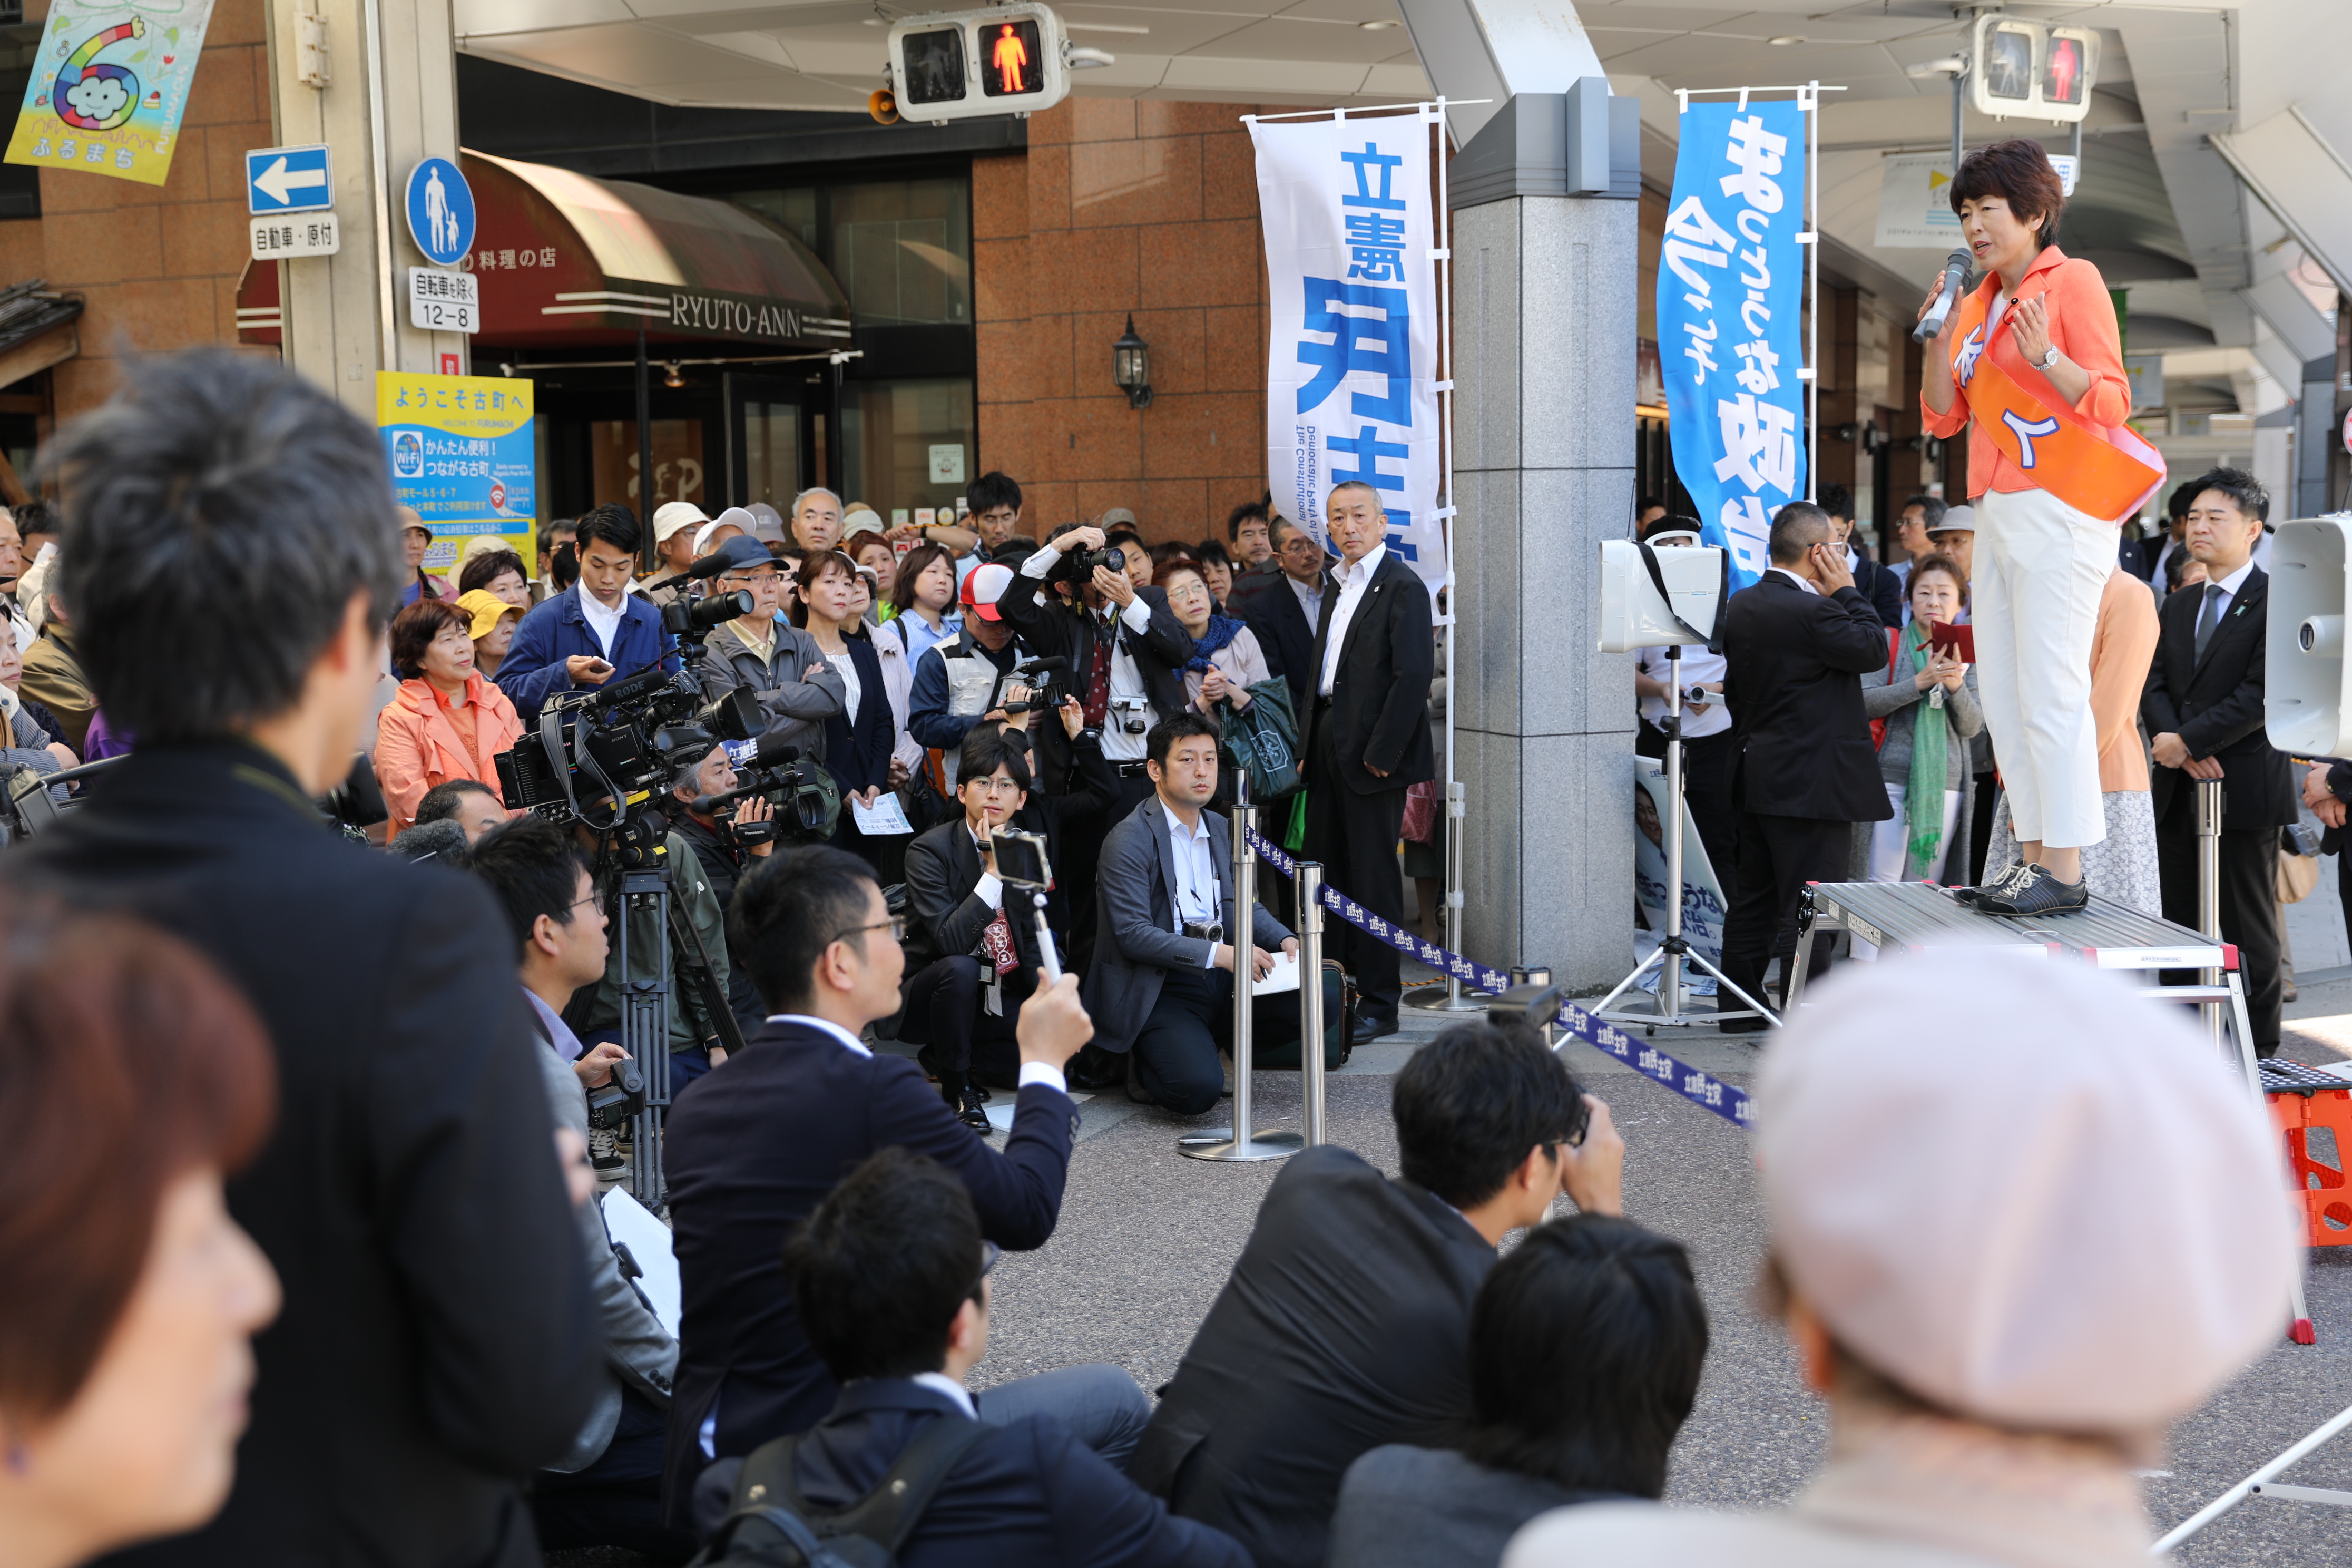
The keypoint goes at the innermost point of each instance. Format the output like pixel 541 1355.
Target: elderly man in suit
pixel 751 1152
pixel 2203 707
pixel 1367 740
pixel 1160 987
pixel 1796 644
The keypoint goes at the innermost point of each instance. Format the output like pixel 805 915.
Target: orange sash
pixel 2106 470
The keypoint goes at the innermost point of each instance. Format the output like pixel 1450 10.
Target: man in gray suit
pixel 1160 989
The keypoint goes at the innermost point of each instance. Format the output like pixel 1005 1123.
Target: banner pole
pixel 1810 99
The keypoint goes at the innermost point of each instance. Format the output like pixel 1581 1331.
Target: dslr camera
pixel 1077 566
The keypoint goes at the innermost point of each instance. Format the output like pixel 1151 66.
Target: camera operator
pixel 1127 653
pixel 968 957
pixel 957 679
pixel 778 664
pixel 438 1343
pixel 726 848
pixel 593 632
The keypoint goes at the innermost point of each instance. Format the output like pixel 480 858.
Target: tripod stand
pixel 1677 949
pixel 644 1016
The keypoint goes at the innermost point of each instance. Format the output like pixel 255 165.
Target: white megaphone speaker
pixel 1652 597
pixel 2307 705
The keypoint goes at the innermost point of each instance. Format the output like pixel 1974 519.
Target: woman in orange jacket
pixel 2032 358
pixel 447 722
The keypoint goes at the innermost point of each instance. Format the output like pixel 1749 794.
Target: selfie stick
pixel 1049 963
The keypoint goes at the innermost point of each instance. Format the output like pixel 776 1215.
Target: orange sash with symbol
pixel 2106 470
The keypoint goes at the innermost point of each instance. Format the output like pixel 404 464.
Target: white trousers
pixel 1890 844
pixel 2040 568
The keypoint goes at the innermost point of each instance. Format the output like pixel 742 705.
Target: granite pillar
pixel 1545 278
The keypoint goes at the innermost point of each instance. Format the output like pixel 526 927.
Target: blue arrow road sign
pixel 287 179
pixel 440 212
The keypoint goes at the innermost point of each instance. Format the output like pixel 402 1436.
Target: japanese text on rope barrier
pixel 1702 1090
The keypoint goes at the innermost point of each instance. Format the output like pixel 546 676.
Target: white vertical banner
pixel 1350 217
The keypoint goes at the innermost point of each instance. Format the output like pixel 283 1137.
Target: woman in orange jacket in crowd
pixel 446 723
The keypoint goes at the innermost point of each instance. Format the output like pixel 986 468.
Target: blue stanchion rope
pixel 1702 1090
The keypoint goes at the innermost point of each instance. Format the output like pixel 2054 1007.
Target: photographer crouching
pixel 725 843
pixel 971 944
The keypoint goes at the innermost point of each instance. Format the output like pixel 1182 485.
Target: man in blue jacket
pixel 594 631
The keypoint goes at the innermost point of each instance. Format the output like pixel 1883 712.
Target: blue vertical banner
pixel 1731 320
pixel 1351 224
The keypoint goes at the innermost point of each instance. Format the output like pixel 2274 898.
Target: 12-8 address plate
pixel 441 302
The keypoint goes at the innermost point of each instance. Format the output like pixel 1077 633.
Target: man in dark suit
pixel 1368 736
pixel 2203 707
pixel 895 1274
pixel 438 1342
pixel 1346 1324
pixel 751 1153
pixel 1282 604
pixel 1160 989
pixel 966 972
pixel 1796 644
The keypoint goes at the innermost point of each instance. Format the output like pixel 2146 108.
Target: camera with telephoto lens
pixel 600 756
pixel 1077 566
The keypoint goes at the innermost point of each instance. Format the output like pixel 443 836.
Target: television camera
pixel 780 776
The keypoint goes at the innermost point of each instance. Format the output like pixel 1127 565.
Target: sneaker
pixel 604 1154
pixel 2036 893
pixel 2001 884
pixel 973 1115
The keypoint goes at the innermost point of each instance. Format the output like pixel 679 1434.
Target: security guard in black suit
pixel 2203 707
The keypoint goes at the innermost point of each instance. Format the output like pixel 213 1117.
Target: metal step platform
pixel 1920 916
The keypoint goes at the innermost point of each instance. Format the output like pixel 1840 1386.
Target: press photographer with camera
pixel 606 1490
pixel 798 687
pixel 969 952
pixel 438 1343
pixel 1126 651
pixel 594 632
pixel 963 678
pixel 725 843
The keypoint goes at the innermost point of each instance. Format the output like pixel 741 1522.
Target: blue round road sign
pixel 440 211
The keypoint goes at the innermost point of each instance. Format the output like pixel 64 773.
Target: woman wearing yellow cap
pixel 491 624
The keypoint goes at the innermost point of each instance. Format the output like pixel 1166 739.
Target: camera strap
pixel 1658 580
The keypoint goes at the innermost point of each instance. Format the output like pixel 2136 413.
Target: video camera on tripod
pixel 781 776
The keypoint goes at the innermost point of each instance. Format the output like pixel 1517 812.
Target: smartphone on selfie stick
pixel 1021 863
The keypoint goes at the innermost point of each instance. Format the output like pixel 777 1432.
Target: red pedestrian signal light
pixel 2062 74
pixel 1015 62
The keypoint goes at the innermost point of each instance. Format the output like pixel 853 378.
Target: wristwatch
pixel 2047 360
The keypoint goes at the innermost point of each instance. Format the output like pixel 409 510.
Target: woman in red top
pixel 2045 327
pixel 447 722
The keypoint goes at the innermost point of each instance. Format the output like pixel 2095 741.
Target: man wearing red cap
pixel 961 681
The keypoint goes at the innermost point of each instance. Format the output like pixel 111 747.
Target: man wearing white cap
pixel 2007 1280
pixel 675 523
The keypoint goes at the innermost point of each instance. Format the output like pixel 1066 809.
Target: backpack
pixel 769 1523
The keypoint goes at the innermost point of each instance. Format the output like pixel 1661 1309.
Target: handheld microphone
pixel 1955 274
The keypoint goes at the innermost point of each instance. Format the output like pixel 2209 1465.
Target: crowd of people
pixel 265 1076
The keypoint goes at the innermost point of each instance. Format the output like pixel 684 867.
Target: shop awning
pixel 565 261
pixel 36 330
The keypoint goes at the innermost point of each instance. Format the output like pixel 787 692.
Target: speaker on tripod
pixel 1671 600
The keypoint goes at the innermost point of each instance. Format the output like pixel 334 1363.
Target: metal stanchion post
pixel 1310 995
pixel 2209 885
pixel 1240 1141
pixel 1451 998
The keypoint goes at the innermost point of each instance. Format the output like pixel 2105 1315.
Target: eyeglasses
pixel 992 786
pixel 591 901
pixel 895 925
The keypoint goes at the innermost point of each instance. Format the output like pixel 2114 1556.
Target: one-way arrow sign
pixel 287 179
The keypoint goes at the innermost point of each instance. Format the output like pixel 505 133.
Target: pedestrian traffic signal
pixel 2029 70
pixel 964 64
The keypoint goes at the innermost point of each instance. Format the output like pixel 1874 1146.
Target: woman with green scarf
pixel 1928 700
